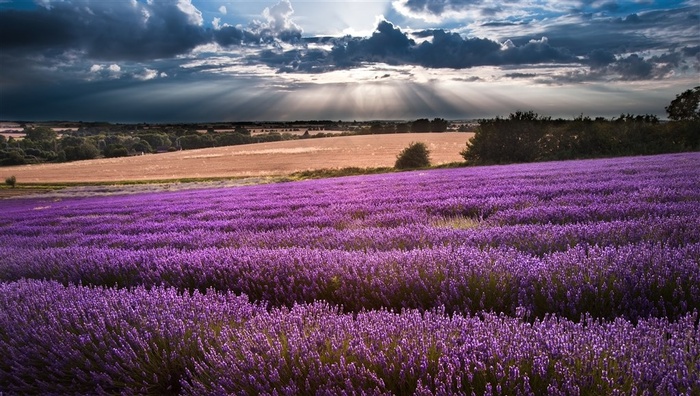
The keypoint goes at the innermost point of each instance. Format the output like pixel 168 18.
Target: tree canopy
pixel 686 106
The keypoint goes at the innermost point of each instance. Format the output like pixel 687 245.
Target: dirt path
pixel 255 160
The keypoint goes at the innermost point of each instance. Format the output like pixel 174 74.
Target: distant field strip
pixel 264 159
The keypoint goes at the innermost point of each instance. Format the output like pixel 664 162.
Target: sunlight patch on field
pixel 203 156
pixel 456 222
pixel 293 150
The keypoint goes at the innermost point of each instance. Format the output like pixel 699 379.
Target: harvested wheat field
pixel 254 160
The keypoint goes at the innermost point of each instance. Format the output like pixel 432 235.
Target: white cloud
pixel 279 18
pixel 508 44
pixel 223 10
pixel 194 16
pixel 98 72
pixel 146 74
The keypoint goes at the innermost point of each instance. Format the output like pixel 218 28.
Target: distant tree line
pixel 42 144
pixel 529 137
pixel 420 125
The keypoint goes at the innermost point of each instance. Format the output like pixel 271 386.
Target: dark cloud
pixel 521 75
pixel 230 36
pixel 35 30
pixel 509 11
pixel 388 44
pixel 632 18
pixel 450 50
pixel 500 24
pixel 387 40
pixel 432 6
pixel 104 30
pixel 600 58
pixel 536 51
pixel 67 56
pixel 691 51
pixel 124 30
pixel 136 31
pixel 633 67
pixel 439 7
pixel 604 44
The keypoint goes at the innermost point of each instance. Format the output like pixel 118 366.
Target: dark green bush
pixel 12 157
pixel 116 150
pixel 416 155
pixel 83 151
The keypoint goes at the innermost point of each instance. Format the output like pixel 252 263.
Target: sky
pixel 283 60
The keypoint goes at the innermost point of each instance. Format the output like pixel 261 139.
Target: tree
pixel 502 141
pixel 439 125
pixel 116 150
pixel 12 157
pixel 416 155
pixel 376 128
pixel 155 140
pixel 11 181
pixel 84 151
pixel 685 106
pixel 242 130
pixel 421 125
pixel 142 146
pixel 40 133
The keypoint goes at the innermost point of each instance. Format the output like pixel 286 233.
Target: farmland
pixel 576 277
pixel 263 159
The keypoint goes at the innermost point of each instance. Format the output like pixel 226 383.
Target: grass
pixel 456 222
pixel 357 171
pixel 338 172
pixel 33 188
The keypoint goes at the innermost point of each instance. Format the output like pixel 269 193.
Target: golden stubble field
pixel 254 160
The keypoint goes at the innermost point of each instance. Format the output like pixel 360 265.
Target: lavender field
pixel 578 277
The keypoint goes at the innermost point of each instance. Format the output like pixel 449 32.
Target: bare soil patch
pixel 254 160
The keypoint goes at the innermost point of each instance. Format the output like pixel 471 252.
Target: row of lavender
pixel 536 239
pixel 631 281
pixel 81 340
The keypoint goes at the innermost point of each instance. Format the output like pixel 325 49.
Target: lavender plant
pixel 80 340
pixel 559 278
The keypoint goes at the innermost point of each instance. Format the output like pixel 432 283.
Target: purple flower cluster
pixel 78 339
pixel 559 278
pixel 68 340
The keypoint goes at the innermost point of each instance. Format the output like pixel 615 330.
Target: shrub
pixel 13 157
pixel 116 150
pixel 83 151
pixel 11 181
pixel 416 155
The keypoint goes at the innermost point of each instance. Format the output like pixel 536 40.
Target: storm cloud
pixel 388 44
pixel 109 30
pixel 76 56
pixel 159 29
